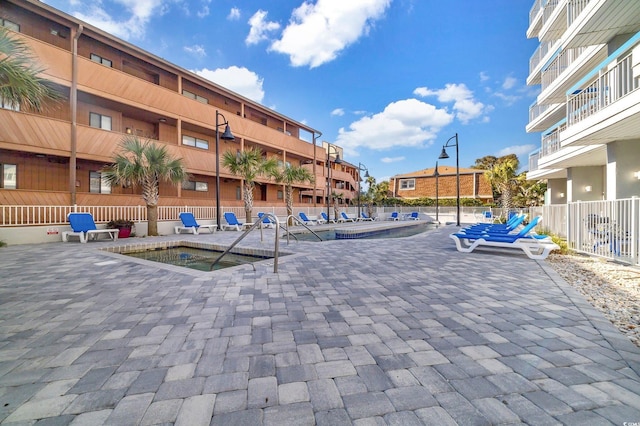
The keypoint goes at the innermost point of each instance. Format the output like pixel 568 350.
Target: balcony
pixel 551 140
pixel 541 117
pixel 594 22
pixel 606 106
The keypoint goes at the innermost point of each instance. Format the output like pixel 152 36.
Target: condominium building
pixel 588 111
pixel 112 89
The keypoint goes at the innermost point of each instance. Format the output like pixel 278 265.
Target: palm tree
pixel 19 81
pixel 248 165
pixel 503 178
pixel 288 176
pixel 145 164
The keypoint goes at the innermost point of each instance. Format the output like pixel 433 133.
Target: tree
pixel 485 163
pixel 503 178
pixel 19 81
pixel 145 164
pixel 529 192
pixel 248 165
pixel 288 176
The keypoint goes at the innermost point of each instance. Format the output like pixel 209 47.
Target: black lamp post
pixel 337 161
pixel 366 175
pixel 227 136
pixel 444 155
pixel 436 174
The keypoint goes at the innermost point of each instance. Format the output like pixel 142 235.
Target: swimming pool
pixel 366 232
pixel 192 255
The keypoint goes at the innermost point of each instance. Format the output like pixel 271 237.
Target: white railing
pixel 574 9
pixel 533 160
pixel 533 12
pixel 559 64
pixel 608 229
pixel 551 141
pixel 608 87
pixel 539 54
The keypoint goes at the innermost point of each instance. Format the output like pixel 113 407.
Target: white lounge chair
pixel 191 226
pixel 84 227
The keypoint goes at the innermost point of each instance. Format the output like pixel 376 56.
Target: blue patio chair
pixel 393 216
pixel 366 217
pixel 266 221
pixel 413 216
pixel 346 218
pixel 232 222
pixel 84 227
pixel 533 245
pixel 326 218
pixel 306 220
pixel 191 226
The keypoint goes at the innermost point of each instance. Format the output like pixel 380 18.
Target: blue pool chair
pixel 393 216
pixel 191 226
pixel 346 218
pixel 266 221
pixel 306 220
pixel 326 218
pixel 232 222
pixel 366 217
pixel 84 227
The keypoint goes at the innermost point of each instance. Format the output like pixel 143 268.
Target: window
pixel 198 143
pixel 9 105
pixel 195 186
pixel 194 96
pixel 280 195
pixel 99 121
pixel 9 176
pixel 97 184
pixel 100 60
pixel 11 25
pixel 407 184
pixel 238 193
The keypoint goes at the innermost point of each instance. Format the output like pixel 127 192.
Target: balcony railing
pixel 539 54
pixel 537 6
pixel 574 9
pixel 551 141
pixel 533 160
pixel 536 110
pixel 559 64
pixel 548 10
pixel 609 86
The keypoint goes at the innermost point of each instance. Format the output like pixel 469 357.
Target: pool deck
pixel 391 331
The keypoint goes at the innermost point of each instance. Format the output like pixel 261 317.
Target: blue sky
pixel 390 81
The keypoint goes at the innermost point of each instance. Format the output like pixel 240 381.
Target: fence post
pixel 634 229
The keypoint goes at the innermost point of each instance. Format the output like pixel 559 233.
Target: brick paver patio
pixel 394 331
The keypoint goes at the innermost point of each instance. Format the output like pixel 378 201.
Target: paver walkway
pixel 394 331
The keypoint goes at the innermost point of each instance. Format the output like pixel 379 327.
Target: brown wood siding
pixel 32 133
pixel 36 26
pixel 447 187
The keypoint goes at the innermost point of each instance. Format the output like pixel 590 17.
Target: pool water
pixel 400 232
pixel 194 258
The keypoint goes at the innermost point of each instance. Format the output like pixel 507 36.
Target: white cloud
pixel 391 159
pixel 316 33
pixel 240 80
pixel 196 50
pixel 465 106
pixel 509 83
pixel 338 111
pixel 518 150
pixel 484 76
pixel 203 12
pixel 234 14
pixel 408 122
pixel 260 27
pixel 134 27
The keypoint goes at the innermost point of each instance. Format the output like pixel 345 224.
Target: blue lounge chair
pixel 84 227
pixel 326 218
pixel 346 218
pixel 413 216
pixel 232 222
pixel 306 220
pixel 533 245
pixel 191 226
pixel 393 216
pixel 366 217
pixel 266 221
pixel 511 225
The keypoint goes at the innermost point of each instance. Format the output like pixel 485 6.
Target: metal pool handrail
pixel 246 232
pixel 299 223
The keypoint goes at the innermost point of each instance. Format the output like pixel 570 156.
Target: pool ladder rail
pixel 276 248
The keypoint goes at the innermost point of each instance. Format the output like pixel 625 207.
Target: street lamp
pixel 436 174
pixel 227 136
pixel 444 155
pixel 337 161
pixel 366 175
